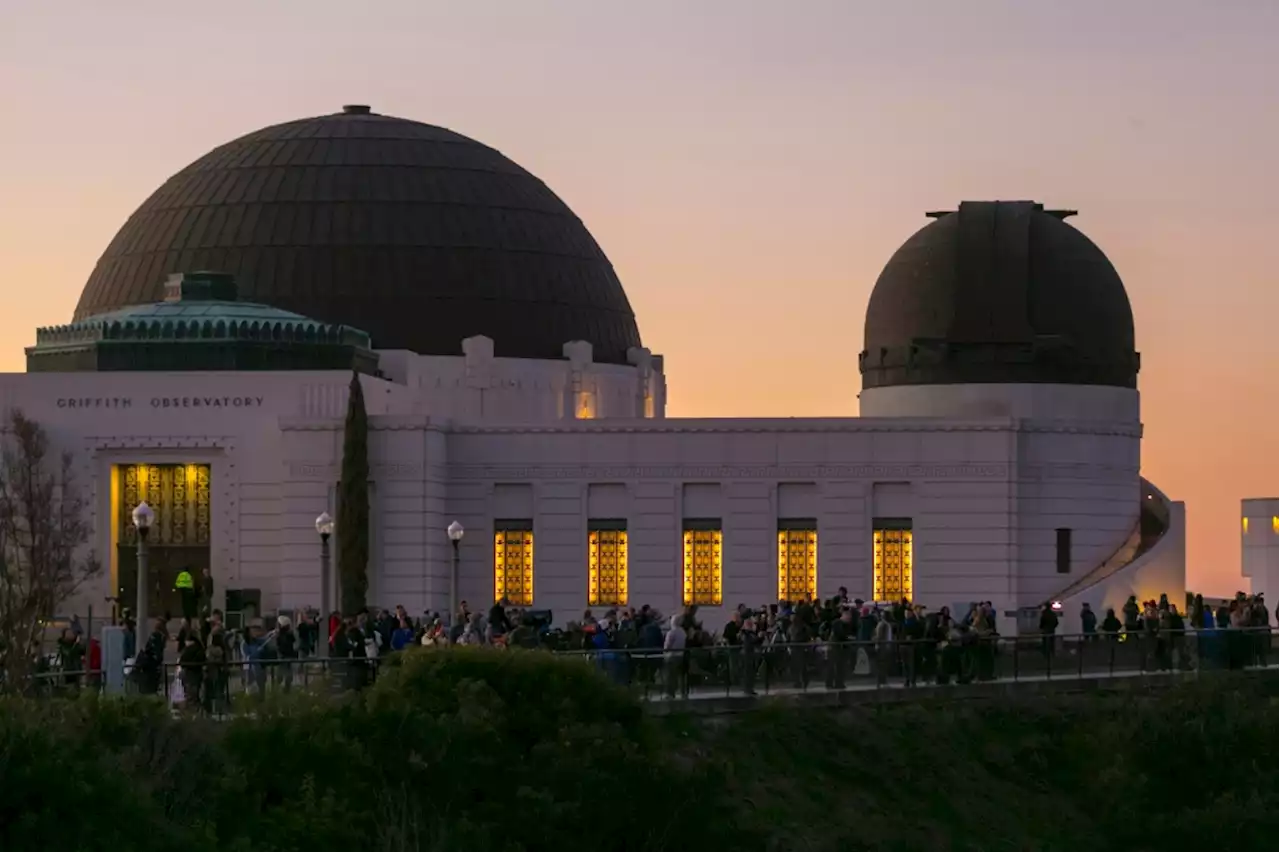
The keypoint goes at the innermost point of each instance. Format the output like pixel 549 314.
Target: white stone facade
pixel 987 485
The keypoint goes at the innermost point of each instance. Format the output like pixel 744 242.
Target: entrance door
pixel 163 566
pixel 179 537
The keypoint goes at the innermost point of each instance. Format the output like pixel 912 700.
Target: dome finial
pixel 356 109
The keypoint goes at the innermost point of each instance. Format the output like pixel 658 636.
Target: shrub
pixel 476 750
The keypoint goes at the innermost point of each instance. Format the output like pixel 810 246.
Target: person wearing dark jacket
pixel 191 661
pixel 1131 612
pixel 1048 627
pixel 357 671
pixel 308 634
pixel 498 621
pixel 71 655
pixel 838 658
pixel 217 656
pixel 1088 622
pixel 286 645
pixel 148 667
pixel 799 637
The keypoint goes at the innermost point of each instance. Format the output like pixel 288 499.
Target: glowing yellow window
pixel 607 564
pixel 513 562
pixel 1275 524
pixel 703 549
pixel 1244 525
pixel 891 542
pixel 797 559
pixel 585 406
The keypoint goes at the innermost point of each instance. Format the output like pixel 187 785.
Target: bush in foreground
pixel 460 750
pixel 473 750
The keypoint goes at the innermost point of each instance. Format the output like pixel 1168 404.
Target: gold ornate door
pixel 181 497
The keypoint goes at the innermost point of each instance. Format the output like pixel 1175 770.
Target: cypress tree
pixel 353 504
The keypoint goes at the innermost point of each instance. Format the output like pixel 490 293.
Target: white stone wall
pixel 477 387
pixel 985 495
pixel 230 421
pixel 1161 570
pixel 975 537
pixel 1081 478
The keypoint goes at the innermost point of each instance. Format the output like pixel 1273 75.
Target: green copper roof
pixel 200 325
pixel 188 313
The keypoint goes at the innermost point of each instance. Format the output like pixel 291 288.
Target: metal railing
pixel 216 688
pixel 787 668
pixel 770 668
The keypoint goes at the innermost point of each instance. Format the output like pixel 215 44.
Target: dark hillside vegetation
pixel 478 750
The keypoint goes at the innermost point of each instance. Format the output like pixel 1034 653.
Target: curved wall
pixel 1039 401
pixel 1083 478
pixel 1161 569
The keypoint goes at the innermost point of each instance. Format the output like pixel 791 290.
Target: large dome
pixel 413 233
pixel 999 292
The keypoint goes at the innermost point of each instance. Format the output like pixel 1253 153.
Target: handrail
pixel 656 674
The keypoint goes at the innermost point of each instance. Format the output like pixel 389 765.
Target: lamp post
pixel 455 532
pixel 324 526
pixel 143 515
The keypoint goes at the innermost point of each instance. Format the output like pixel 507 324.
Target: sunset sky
pixel 748 167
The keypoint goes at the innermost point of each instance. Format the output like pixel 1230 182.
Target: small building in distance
pixel 1260 547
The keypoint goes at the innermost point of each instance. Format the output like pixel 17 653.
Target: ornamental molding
pixel 727 426
pixel 95 444
pixel 678 426
pixel 781 427
pixel 1082 427
pixel 377 423
pixel 516 473
pixel 626 473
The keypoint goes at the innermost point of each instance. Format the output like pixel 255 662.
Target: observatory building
pixel 207 364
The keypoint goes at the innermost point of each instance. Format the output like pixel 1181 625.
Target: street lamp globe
pixel 324 525
pixel 143 515
pixel 455 531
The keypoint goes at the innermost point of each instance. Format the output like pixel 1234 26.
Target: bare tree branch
pixel 43 533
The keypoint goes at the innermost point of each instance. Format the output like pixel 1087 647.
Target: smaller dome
pixel 999 292
pixel 200 325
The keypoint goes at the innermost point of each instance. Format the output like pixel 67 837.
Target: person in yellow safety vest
pixel 185 585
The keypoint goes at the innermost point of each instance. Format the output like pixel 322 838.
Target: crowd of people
pixel 795 643
pixel 803 642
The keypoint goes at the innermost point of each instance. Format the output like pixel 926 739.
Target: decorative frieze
pixel 97 444
pixel 801 427
pixel 517 473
